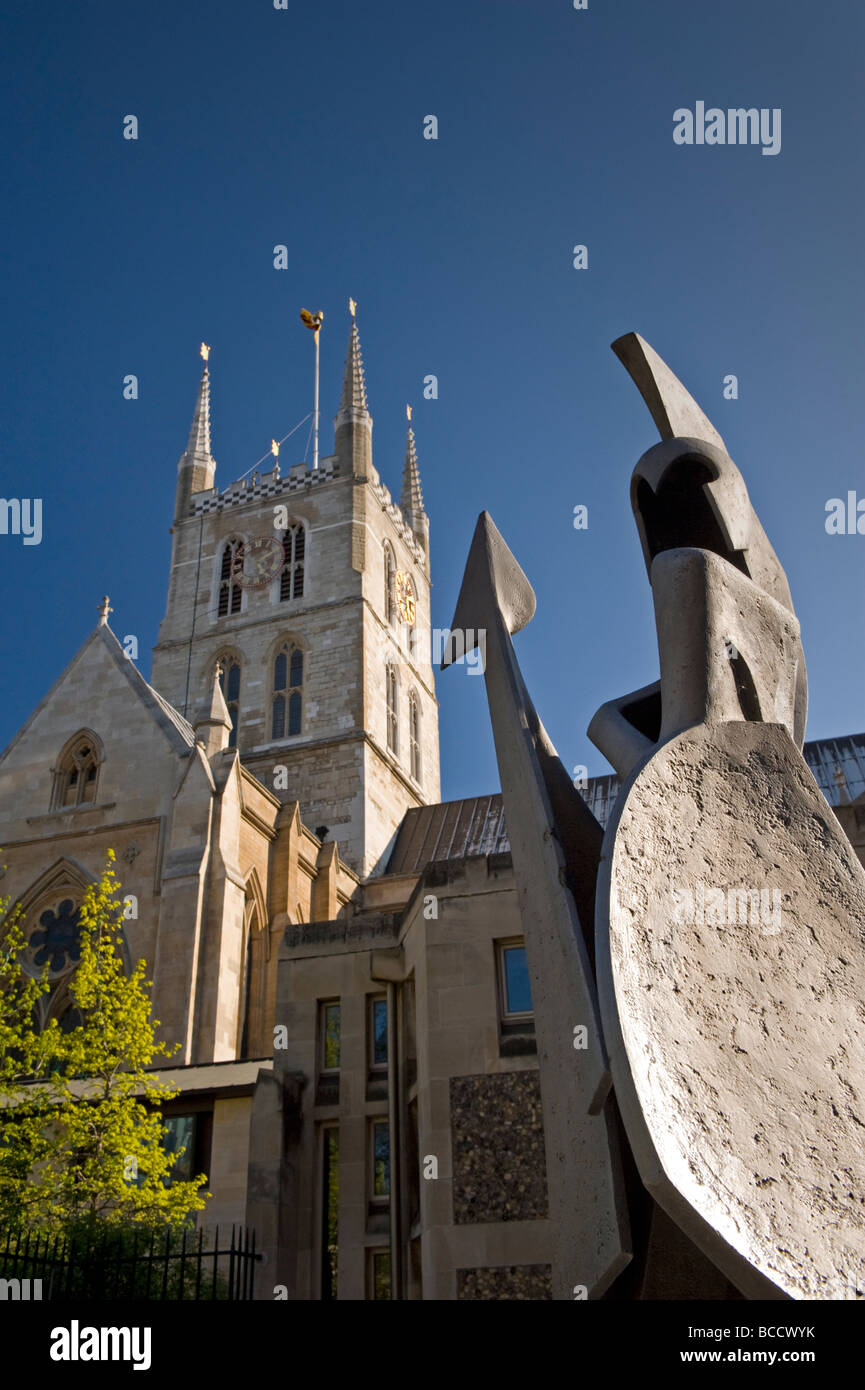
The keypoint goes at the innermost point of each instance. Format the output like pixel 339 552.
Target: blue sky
pixel 304 127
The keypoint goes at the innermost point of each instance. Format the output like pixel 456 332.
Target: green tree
pixel 27 1054
pixel 98 1156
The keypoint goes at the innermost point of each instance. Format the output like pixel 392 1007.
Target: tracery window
pixel 230 592
pixel 294 552
pixel 77 774
pixel 392 717
pixel 287 707
pixel 414 735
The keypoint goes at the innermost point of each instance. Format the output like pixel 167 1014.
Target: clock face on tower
pixel 404 596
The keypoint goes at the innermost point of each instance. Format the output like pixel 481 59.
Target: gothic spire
pixel 353 381
pixel 197 466
pixel 198 446
pixel 213 725
pixel 353 422
pixel 411 500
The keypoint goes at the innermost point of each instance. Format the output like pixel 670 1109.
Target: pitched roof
pixel 177 729
pixel 476 825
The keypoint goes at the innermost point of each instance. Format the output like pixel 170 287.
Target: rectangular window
pixel 329 1033
pixel 180 1134
pixel 380 1160
pixel 191 1132
pixel 516 997
pixel 330 1213
pixel 378 1032
pixel 379 1272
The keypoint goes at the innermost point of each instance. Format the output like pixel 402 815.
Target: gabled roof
pixel 178 730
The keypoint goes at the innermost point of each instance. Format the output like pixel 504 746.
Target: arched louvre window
pixel 229 680
pixel 293 549
pixel 392 721
pixel 411 627
pixel 287 691
pixel 414 735
pixel 230 592
pixel 389 596
pixel 77 773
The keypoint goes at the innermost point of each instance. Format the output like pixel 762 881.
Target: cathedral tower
pixel 311 588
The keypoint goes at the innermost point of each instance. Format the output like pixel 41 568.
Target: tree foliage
pixel 81 1137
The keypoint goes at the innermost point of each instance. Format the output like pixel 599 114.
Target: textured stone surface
pixel 498 1148
pixel 742 1042
pixel 528 1282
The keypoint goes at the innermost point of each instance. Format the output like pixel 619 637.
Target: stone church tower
pixel 300 584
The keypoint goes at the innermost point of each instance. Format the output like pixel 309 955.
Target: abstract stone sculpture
pixel 730 916
pixel 726 980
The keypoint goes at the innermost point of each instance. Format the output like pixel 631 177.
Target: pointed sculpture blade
pixel 672 407
pixel 493 582
pixel 554 843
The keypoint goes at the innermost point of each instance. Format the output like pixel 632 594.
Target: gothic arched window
pixel 287 691
pixel 229 680
pixel 77 773
pixel 410 628
pixel 294 552
pixel 414 735
pixel 230 592
pixel 392 720
pixel 253 985
pixel 389 596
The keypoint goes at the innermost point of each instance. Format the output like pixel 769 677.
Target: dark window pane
pixel 278 717
pixel 298 581
pixel 296 667
pixel 234 682
pixel 330 1215
pixel 381 1161
pixel 299 543
pixel 279 669
pixel 381 1274
pixel 294 714
pixel 330 1058
pixel 517 990
pixel 379 1032
pixel 180 1134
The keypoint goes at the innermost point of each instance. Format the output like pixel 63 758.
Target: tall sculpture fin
pixel 672 407
pixel 493 582
pixel 553 843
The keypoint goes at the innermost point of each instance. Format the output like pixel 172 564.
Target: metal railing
pixel 133 1266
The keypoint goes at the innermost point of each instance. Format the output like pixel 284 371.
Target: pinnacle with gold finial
pixel 205 351
pixel 352 306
